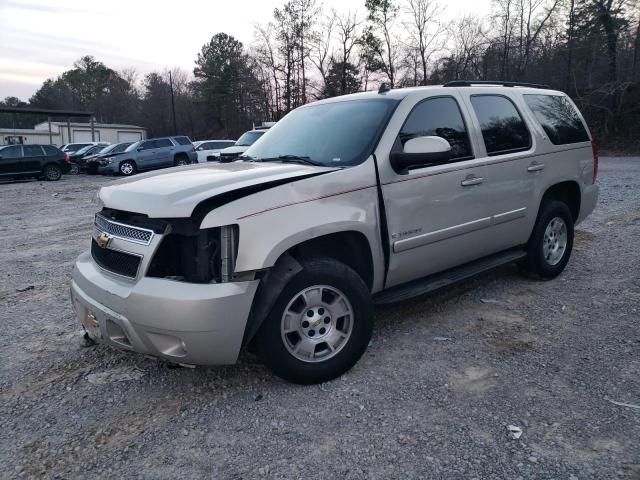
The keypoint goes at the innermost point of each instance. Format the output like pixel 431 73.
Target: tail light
pixel 594 149
pixel 67 159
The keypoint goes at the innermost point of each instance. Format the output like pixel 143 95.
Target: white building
pixel 63 132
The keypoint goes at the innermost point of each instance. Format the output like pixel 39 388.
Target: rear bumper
pixel 588 201
pixel 181 322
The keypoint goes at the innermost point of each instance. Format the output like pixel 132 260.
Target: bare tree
pixel 425 31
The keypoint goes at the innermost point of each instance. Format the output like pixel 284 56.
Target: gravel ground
pixel 431 398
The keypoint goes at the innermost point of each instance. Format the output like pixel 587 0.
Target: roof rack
pixel 469 83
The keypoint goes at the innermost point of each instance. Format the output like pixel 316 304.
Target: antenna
pixel 384 88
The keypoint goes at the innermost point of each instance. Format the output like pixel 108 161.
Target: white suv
pixel 345 203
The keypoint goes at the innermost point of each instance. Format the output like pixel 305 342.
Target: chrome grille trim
pixel 142 236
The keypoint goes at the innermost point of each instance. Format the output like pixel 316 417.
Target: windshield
pixel 84 150
pixel 248 138
pixel 133 146
pixel 115 148
pixel 331 134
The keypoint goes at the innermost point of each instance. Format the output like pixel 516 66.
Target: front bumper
pixel 200 324
pixel 108 169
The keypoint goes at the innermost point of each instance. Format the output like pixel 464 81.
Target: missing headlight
pixel 207 256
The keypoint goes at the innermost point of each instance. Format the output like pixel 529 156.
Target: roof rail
pixel 469 83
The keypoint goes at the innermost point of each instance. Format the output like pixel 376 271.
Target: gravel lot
pixel 431 398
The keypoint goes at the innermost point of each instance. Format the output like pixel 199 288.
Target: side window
pixel 32 151
pixel 14 151
pixel 51 150
pixel 164 143
pixel 503 129
pixel 148 145
pixel 558 118
pixel 182 140
pixel 219 145
pixel 439 117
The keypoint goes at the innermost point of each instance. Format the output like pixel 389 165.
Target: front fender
pixel 272 221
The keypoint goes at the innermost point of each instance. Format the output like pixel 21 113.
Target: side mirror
pixel 421 151
pixel 138 149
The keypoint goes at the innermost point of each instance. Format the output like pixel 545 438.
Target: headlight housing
pixel 201 256
pixel 97 201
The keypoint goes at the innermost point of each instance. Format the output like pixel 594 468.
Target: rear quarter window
pixel 50 150
pixel 558 118
pixel 182 140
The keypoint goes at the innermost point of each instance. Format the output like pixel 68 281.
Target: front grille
pixel 126 232
pixel 228 157
pixel 114 261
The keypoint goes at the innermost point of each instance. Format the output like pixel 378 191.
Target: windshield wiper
pixel 292 159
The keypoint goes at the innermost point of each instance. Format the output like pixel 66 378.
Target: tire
pixel 341 313
pixel 180 161
pixel 551 243
pixel 52 173
pixel 127 168
pixel 74 169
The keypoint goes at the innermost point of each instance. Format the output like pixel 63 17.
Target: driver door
pixel 436 214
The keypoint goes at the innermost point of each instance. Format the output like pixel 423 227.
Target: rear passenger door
pixel 164 152
pixel 146 154
pixel 32 158
pixel 506 146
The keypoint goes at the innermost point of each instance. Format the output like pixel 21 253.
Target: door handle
pixel 535 167
pixel 471 180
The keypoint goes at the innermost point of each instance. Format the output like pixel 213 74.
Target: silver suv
pixel 345 203
pixel 150 154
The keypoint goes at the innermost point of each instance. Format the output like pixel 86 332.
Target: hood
pixel 175 192
pixel 234 149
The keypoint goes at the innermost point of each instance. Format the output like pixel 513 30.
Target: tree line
pixel 587 48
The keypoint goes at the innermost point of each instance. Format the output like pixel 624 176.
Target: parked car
pixel 71 148
pixel 242 144
pixel 91 162
pixel 348 202
pixel 207 149
pixel 148 155
pixel 38 161
pixel 78 158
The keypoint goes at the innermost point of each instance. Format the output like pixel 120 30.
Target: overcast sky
pixel 40 39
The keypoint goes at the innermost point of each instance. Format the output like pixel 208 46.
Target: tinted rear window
pixel 51 150
pixel 503 129
pixel 32 151
pixel 558 118
pixel 182 140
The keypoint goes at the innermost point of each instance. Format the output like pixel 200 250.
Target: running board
pixel 446 278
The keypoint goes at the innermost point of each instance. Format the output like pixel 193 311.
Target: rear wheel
pixel 52 173
pixel 551 242
pixel 320 325
pixel 127 168
pixel 181 160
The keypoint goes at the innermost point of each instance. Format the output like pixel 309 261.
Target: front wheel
pixel 127 168
pixel 74 169
pixel 551 242
pixel 320 324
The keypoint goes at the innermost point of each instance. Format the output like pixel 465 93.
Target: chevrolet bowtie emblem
pixel 103 240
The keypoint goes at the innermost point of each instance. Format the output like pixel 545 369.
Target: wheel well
pixel 181 155
pixel 350 248
pixel 567 192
